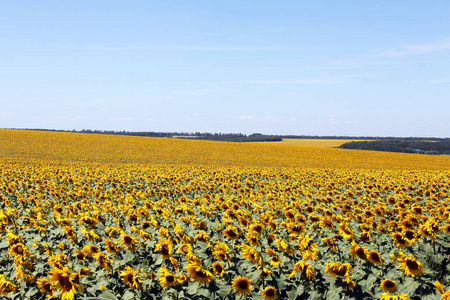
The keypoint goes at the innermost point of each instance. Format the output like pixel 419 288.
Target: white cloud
pixel 245 117
pixel 418 49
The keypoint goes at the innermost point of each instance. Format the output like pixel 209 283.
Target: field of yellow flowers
pixel 86 216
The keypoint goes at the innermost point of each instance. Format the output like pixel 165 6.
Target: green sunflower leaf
pixel 128 295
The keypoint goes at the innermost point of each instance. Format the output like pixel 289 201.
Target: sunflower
pixel 102 260
pixel 386 296
pixel 270 251
pixel 45 287
pixel 400 240
pixel 330 244
pixel 218 269
pixel 348 283
pixel 129 276
pixel 358 251
pixel 90 235
pixel 269 293
pixel 174 263
pixel 284 247
pixel 311 254
pixel 21 274
pixel 146 224
pixel 374 257
pixel 84 272
pixel 90 250
pixel 327 223
pixel 112 232
pixel 265 272
pixel 62 280
pixel 167 279
pixel 251 254
pixel 409 235
pixel 410 265
pixel 112 246
pixel 192 258
pixel 145 235
pixel 58 260
pixel 365 236
pixel 19 249
pixel 335 269
pixel 253 238
pixel 129 241
pixel 202 236
pixel 231 232
pixel 6 286
pixel 439 287
pixel 185 248
pixel 388 285
pixel 165 248
pixel 295 228
pixel 446 295
pixel 91 222
pixel 198 273
pixel 80 254
pixel 275 261
pixel 242 285
pixel 70 233
pixel 427 231
pixel 345 231
pixel 305 268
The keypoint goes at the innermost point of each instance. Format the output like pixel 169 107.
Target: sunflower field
pixel 85 216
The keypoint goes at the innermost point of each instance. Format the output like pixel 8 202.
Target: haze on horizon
pixel 348 68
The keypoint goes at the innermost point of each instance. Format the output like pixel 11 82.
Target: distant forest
pixel 228 137
pixel 437 147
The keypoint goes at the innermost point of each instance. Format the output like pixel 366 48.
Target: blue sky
pixel 378 68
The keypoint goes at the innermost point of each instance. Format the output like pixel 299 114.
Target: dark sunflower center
pixel 200 273
pixel 165 250
pixel 297 228
pixel 127 240
pixel 375 256
pixel 48 287
pixel 360 252
pixel 76 279
pixel 412 265
pixel 400 239
pixel 170 278
pixel 270 293
pixel 242 284
pixel 409 234
pixel 389 284
pixel 231 233
pixel 66 283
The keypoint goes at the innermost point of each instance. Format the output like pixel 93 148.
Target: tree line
pixel 437 147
